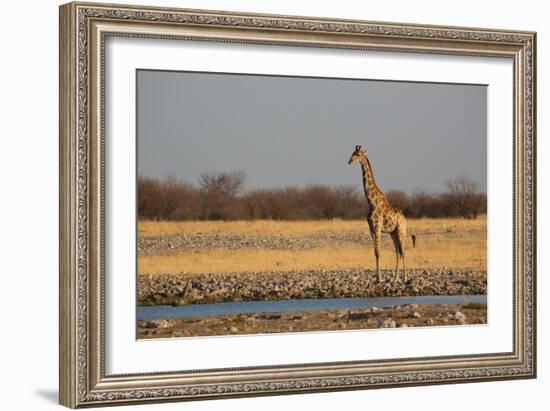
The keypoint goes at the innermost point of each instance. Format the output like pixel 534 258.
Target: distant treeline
pixel 221 196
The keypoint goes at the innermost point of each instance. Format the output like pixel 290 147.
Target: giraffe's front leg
pixel 377 239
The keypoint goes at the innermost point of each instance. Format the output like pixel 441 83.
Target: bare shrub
pixel 465 198
pixel 398 199
pixel 351 203
pixel 149 196
pixel 420 204
pixel 221 196
pixel 168 199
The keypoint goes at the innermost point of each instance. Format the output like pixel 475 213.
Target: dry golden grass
pixel 156 228
pixel 442 243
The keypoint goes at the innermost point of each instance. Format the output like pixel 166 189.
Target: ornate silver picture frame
pixel 84 30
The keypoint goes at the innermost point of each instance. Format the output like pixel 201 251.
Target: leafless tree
pixel 465 196
pixel 219 192
pixel 229 183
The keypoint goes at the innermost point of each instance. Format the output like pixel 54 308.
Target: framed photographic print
pixel 260 204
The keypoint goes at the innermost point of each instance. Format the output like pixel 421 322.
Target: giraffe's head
pixel 356 155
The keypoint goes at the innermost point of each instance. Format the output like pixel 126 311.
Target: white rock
pixel 163 323
pixel 458 316
pixel 389 323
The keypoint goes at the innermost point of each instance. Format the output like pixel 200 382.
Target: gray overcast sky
pixel 285 131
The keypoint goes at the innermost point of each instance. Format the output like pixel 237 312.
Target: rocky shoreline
pixel 410 315
pixel 183 289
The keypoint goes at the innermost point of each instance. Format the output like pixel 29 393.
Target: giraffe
pixel 382 216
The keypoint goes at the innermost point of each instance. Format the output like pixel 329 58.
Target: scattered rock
pixel 458 316
pixel 163 323
pixel 162 289
pixel 149 324
pixel 358 316
pixel 389 323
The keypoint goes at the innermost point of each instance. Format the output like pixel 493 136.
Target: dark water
pixel 199 310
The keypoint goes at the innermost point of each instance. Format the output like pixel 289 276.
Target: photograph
pixel 264 202
pixel 286 204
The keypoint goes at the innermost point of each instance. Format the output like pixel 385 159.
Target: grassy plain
pixel 441 244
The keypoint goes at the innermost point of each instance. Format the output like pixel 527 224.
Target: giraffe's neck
pixel 372 192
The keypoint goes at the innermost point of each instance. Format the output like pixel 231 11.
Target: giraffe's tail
pixel 413 238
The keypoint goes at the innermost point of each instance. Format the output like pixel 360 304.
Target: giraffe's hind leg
pixel 402 237
pixel 397 245
pixel 404 270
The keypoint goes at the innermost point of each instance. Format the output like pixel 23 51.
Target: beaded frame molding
pixel 83 30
